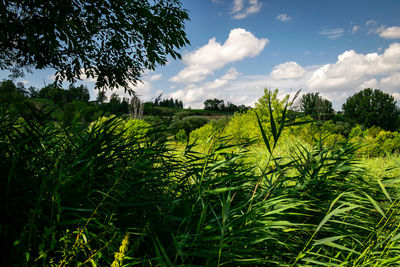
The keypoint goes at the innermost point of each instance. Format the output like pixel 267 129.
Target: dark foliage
pixel 373 107
pixel 112 41
pixel 219 105
pixel 316 106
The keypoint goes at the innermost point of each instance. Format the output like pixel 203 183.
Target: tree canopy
pixel 219 105
pixel 112 40
pixel 373 107
pixel 316 106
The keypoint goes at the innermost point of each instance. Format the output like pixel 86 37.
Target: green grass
pixel 70 196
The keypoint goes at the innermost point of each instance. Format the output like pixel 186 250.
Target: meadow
pixel 263 187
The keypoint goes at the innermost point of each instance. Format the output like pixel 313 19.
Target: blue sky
pixel 240 47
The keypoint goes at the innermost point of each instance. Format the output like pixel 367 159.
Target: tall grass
pixel 73 196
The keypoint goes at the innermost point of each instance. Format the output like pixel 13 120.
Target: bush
pixel 243 127
pixel 356 131
pixel 136 129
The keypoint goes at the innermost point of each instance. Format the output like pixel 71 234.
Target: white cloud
pixel 283 17
pixel 372 83
pixel 194 95
pixel 369 22
pixel 332 33
pixel 24 82
pixel 239 11
pixel 391 82
pixel 287 70
pixel 335 81
pixel 352 69
pixel 237 6
pixel 191 96
pixel 396 96
pixel 141 89
pixel 390 33
pixel 202 62
pixel 192 74
pixel 155 77
pixel 230 75
pixel 355 29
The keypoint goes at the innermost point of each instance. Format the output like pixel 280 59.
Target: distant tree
pixel 169 103
pixel 56 94
pixel 242 108
pixel 79 93
pixel 33 92
pixel 111 41
pixel 21 89
pixel 157 100
pixel 214 104
pixel 373 107
pixel 114 104
pixel 316 106
pixel 101 96
pixel 8 87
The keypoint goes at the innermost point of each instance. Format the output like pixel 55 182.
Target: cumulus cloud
pixel 142 90
pixel 332 33
pixel 202 62
pixel 283 17
pixel 335 81
pixel 25 82
pixel 392 81
pixel 191 96
pixel 243 8
pixel 390 33
pixel 372 83
pixel 155 77
pixel 287 70
pixel 351 69
pixel 396 96
pixel 217 83
pixel 194 95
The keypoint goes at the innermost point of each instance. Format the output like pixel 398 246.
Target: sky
pixel 240 47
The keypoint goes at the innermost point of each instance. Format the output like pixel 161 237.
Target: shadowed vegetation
pixel 100 195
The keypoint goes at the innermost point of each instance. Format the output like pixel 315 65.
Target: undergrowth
pixel 72 196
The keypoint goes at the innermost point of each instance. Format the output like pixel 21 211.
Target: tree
pixel 101 97
pixel 56 94
pixel 79 93
pixel 112 41
pixel 271 98
pixel 316 106
pixel 373 107
pixel 214 104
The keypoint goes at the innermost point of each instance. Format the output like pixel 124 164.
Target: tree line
pixel 369 107
pixel 219 105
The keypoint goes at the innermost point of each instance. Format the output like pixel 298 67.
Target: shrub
pixel 136 129
pixel 356 131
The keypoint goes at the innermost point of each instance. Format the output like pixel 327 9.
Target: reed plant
pixel 69 195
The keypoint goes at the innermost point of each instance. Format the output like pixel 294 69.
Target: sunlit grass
pixel 73 196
